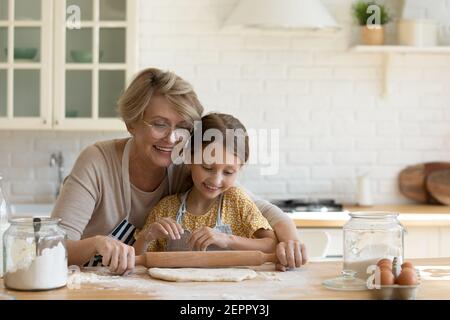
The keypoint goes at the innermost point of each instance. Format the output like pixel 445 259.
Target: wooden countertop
pixel 404 208
pixel 303 283
pixel 410 215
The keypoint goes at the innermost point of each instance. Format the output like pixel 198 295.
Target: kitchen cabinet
pixel 84 54
pixel 25 71
pixel 427 236
pixel 420 242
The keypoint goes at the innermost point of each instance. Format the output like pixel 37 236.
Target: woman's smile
pixel 166 151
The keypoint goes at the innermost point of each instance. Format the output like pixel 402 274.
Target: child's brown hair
pixel 229 127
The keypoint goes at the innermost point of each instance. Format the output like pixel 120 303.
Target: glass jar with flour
pixel 4 223
pixel 35 255
pixel 368 237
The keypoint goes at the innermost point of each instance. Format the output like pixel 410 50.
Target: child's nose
pixel 217 179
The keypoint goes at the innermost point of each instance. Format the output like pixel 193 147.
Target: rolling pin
pixel 204 259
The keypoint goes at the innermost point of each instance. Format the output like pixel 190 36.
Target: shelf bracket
pixel 387 75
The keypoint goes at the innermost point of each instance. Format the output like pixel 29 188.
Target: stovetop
pixel 308 205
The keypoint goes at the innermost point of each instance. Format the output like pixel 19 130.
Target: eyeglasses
pixel 162 130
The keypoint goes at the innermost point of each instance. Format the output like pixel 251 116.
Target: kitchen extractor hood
pixel 290 14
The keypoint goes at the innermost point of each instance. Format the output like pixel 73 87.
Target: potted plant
pixel 372 17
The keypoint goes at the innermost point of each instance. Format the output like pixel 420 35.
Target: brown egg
pixel 384 260
pixel 386 277
pixel 385 266
pixel 407 277
pixel 407 265
pixel 385 263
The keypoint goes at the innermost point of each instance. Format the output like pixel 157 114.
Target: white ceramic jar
pixel 418 33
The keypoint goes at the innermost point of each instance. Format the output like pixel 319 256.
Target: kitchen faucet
pixel 56 159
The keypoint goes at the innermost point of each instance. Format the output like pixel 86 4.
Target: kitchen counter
pixel 303 283
pixel 409 215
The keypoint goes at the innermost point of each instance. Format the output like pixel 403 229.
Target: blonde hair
pixel 152 81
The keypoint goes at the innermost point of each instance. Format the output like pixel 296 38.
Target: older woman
pixel 114 184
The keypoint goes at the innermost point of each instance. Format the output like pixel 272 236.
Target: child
pixel 213 214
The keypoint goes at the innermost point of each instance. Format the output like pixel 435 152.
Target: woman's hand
pixel 117 256
pixel 202 238
pixel 163 228
pixel 291 254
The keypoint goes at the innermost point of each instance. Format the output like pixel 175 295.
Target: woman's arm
pixel 80 251
pixel 290 252
pixel 80 192
pixel 75 206
pixel 271 212
pixel 118 256
pixel 265 241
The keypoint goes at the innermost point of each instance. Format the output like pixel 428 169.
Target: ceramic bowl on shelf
pixel 83 56
pixel 24 53
pixel 71 113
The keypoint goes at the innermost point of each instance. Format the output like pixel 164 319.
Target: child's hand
pixel 164 228
pixel 202 238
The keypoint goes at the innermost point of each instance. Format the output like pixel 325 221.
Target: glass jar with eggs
pixel 368 237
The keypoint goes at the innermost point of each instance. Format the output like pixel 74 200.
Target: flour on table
pixel 202 274
pixel 266 285
pixel 274 276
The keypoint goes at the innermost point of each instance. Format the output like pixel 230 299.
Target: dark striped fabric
pixel 124 232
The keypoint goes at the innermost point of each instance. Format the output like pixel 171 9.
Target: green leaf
pixel 359 10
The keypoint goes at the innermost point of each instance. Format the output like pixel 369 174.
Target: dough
pixel 201 274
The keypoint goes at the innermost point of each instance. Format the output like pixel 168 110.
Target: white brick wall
pixel 325 100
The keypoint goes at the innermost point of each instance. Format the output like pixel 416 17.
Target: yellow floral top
pixel 238 210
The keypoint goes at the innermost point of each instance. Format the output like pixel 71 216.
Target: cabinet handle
pixel 44 121
pixel 56 122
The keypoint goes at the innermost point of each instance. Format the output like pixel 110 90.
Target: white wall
pixel 324 99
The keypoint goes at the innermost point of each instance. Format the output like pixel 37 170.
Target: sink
pixel 31 209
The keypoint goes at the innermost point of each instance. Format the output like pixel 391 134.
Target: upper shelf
pixel 390 50
pixel 400 49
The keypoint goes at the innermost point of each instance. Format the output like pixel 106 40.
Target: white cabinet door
pixel 93 62
pixel 334 245
pixel 55 76
pixel 419 242
pixel 445 242
pixel 422 242
pixel 26 29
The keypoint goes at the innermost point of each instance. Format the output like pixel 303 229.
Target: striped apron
pixel 124 231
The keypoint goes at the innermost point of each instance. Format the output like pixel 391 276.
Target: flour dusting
pixel 267 285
